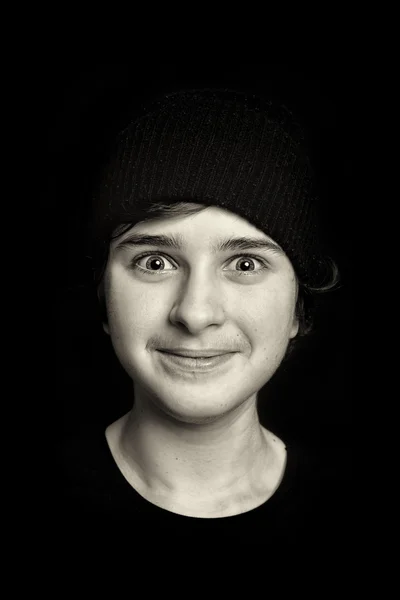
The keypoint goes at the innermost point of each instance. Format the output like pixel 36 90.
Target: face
pixel 201 309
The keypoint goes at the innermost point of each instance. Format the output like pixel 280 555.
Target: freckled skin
pixel 200 304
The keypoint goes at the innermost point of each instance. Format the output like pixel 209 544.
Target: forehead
pixel 208 227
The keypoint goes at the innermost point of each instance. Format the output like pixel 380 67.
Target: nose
pixel 199 304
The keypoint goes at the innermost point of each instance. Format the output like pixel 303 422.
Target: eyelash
pixel 264 266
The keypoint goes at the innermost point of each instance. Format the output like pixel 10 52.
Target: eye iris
pixel 246 265
pixel 154 264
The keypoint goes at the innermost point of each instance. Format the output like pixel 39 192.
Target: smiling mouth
pixel 210 353
pixel 193 361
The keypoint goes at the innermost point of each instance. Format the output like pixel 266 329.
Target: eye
pixel 247 264
pixel 153 263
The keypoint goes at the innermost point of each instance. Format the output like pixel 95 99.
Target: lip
pixel 209 352
pixel 199 364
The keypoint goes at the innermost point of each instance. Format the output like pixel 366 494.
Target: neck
pixel 197 469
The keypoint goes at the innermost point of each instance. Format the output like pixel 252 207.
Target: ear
pixel 295 322
pixel 295 327
pixel 101 301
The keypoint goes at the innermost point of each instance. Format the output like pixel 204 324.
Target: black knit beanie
pixel 223 148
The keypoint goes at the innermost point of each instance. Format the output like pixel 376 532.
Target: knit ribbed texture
pixel 220 148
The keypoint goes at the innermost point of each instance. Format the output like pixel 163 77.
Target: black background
pixel 86 102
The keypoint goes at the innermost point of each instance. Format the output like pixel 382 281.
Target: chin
pixel 193 416
pixel 196 399
pixel 190 418
pixel 196 406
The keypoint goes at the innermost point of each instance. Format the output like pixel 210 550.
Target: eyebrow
pixel 176 242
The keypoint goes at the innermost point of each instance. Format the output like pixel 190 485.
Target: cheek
pixel 267 317
pixel 131 307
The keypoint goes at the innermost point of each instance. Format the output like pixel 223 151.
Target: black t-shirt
pixel 309 508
